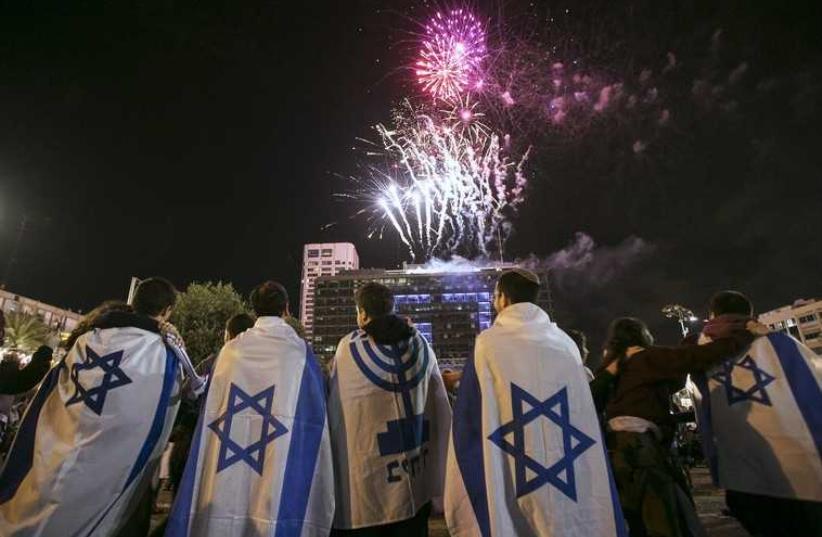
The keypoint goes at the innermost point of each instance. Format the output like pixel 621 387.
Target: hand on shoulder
pixel 171 334
pixel 757 329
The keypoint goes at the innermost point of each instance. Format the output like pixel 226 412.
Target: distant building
pixel 322 259
pixel 448 308
pixel 802 320
pixel 59 319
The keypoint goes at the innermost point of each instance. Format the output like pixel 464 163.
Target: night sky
pixel 200 141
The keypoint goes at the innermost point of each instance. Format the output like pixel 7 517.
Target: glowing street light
pixel 682 314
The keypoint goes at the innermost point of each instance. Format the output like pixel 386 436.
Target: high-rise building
pixel 448 308
pixel 802 320
pixel 322 259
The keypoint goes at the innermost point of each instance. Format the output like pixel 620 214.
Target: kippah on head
pixel 527 274
pixel 730 303
pixel 519 285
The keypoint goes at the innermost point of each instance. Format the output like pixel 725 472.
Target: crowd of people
pixel 267 442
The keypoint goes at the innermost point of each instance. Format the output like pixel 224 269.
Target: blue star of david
pixel 755 393
pixel 574 442
pixel 113 377
pixel 254 454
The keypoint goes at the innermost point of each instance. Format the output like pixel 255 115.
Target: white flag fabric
pixel 760 415
pixel 526 456
pixel 260 459
pixel 92 436
pixel 389 417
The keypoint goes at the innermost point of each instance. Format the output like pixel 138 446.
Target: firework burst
pixel 465 117
pixel 445 192
pixel 451 55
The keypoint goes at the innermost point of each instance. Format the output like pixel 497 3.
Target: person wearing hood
pixel 389 418
pixel 526 456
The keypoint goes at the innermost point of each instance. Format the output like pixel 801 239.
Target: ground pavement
pixel 709 503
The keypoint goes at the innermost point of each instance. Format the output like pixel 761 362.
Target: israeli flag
pixel 92 437
pixel 390 416
pixel 526 456
pixel 760 415
pixel 260 460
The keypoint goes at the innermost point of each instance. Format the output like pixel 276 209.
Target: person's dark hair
pixel 731 302
pixel 269 299
pixel 153 296
pixel 626 332
pixel 519 286
pixel 238 324
pixel 578 336
pixel 581 340
pixel 375 299
pixel 89 319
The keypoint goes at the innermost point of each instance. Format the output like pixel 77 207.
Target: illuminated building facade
pixel 59 319
pixel 448 308
pixel 322 259
pixel 802 320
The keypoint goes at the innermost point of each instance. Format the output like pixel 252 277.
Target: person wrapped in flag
pixel 260 458
pixel 389 417
pixel 93 435
pixel 526 456
pixel 760 415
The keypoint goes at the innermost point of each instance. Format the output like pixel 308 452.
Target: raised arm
pixel 30 376
pixel 671 363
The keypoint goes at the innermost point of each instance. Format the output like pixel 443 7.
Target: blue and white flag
pixel 526 456
pixel 760 414
pixel 260 459
pixel 389 417
pixel 92 437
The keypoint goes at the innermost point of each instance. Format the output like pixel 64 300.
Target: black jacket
pixel 17 381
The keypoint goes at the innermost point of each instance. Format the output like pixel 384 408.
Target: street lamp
pixel 681 314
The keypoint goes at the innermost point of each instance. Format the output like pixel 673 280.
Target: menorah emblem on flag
pixel 397 368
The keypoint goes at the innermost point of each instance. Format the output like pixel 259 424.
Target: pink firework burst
pixel 451 55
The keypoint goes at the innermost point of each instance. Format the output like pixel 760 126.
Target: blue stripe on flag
pixel 158 423
pixel 181 510
pixel 306 437
pixel 22 452
pixel 706 427
pixel 619 518
pixel 154 432
pixel 803 384
pixel 468 440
